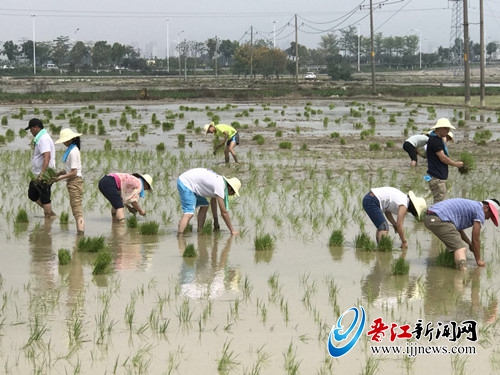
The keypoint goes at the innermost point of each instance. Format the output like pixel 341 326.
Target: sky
pixel 156 26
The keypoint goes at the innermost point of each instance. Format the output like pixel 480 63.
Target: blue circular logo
pixel 351 334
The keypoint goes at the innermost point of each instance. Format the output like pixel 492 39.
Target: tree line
pixel 336 55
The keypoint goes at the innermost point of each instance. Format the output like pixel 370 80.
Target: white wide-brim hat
pixel 443 123
pixel 419 203
pixel 67 135
pixel 235 184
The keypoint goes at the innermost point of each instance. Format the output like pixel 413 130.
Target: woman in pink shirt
pixel 124 190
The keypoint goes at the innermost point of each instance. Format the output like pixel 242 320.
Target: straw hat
pixel 418 203
pixel 443 123
pixel 450 135
pixel 146 178
pixel 234 183
pixel 207 126
pixel 67 135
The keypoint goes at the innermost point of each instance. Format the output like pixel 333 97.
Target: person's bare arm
pixel 68 175
pixel 475 244
pixel 225 215
pixel 213 206
pixel 445 159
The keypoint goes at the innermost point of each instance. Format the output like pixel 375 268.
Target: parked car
pixel 310 76
pixel 7 67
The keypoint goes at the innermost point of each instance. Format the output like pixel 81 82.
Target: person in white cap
pixel 230 138
pixel 384 202
pixel 124 190
pixel 197 184
pixel 438 160
pixel 73 174
pixel 448 220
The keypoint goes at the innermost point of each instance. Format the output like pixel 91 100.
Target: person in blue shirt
pixel 448 220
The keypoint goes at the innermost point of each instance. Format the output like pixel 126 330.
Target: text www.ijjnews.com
pixel 413 349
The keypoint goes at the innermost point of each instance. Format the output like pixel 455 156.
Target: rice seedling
pixel 285 145
pixel 386 243
pixel 259 138
pixel 469 162
pixel 336 238
pixel 160 147
pixel 64 218
pixel 91 244
pixel 363 241
pixel 102 263
pixel 400 267
pixel 445 259
pixel 264 242
pixel 228 360
pixel 291 364
pixel 132 221
pixel 189 251
pixel 207 227
pixel 64 256
pixel 149 228
pixel 21 217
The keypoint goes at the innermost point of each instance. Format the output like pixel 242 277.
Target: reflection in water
pixel 263 256
pixel 337 252
pixel 208 275
pixel 381 287
pixel 127 247
pixel 455 295
pixel 43 260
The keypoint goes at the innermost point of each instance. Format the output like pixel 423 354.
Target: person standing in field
pixel 388 201
pixel 230 138
pixel 438 159
pixel 198 184
pixel 412 146
pixel 448 220
pixel 44 158
pixel 73 174
pixel 124 190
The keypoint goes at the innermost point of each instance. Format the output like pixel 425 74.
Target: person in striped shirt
pixel 449 218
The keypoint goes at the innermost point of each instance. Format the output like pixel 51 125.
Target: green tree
pixel 117 54
pixel 242 59
pixel 270 61
pixel 60 50
pixel 11 50
pixel 77 55
pixel 338 68
pixel 227 49
pixel 101 54
pixel 491 48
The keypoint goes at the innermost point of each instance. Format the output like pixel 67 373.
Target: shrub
pixel 264 242
pixel 64 256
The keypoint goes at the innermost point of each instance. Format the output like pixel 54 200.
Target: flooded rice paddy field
pixel 233 309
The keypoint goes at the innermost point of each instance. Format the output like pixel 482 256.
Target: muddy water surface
pixel 232 309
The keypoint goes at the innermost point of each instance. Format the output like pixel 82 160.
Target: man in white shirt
pixel 197 184
pixel 44 157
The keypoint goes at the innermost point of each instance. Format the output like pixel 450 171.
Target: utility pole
pixel 481 58
pixel 34 44
pixel 216 57
pixel 168 55
pixel 251 52
pixel 372 46
pixel 296 52
pixel 466 54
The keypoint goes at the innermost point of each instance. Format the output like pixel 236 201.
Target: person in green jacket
pixel 229 136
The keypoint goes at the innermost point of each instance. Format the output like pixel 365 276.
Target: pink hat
pixel 494 208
